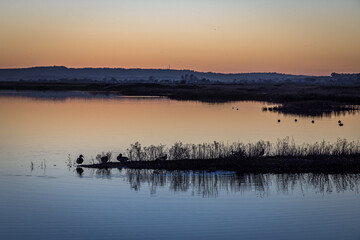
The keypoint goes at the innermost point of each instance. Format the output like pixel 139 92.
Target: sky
pixel 315 37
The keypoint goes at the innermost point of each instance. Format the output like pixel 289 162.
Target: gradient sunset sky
pixel 302 37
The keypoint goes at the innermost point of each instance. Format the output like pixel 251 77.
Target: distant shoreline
pixel 296 99
pixel 164 76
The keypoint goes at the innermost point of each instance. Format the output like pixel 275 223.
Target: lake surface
pixel 51 200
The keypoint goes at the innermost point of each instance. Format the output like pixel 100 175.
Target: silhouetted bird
pixel 237 109
pixel 312 121
pixel 163 158
pixel 122 159
pixel 295 120
pixel 278 120
pixel 104 159
pixel 80 159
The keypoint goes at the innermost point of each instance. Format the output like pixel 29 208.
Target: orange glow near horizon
pixel 284 36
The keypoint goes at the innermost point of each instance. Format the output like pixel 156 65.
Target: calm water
pixel 52 201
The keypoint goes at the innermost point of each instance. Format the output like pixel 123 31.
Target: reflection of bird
pixel 122 159
pixel 79 171
pixel 80 159
pixel 163 158
pixel 104 159
pixel 341 124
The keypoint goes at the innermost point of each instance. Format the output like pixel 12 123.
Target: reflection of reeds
pixel 281 148
pixel 211 184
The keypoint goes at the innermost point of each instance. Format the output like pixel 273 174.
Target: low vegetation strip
pixel 277 93
pixel 282 156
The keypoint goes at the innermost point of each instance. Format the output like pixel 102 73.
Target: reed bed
pixel 104 154
pixel 281 148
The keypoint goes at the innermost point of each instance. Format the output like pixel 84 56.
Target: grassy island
pixel 260 157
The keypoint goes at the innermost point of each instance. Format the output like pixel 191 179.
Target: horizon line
pixel 172 69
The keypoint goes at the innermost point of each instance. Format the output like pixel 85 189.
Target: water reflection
pixel 56 95
pixel 79 171
pixel 101 173
pixel 61 96
pixel 115 123
pixel 321 183
pixel 206 184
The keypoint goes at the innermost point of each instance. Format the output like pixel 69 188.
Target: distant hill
pixel 64 74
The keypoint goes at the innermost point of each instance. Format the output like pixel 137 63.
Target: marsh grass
pixel 313 108
pixel 70 161
pixel 104 154
pixel 281 148
pixel 149 153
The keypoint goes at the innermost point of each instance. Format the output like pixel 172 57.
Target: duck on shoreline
pixel 80 159
pixel 163 158
pixel 122 159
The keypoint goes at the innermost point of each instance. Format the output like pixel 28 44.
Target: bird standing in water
pixel 80 159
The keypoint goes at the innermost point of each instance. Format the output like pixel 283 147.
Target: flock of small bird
pixel 295 120
pixel 313 121
pixel 104 159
